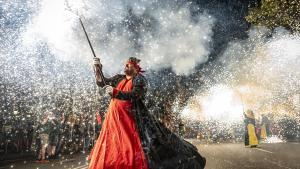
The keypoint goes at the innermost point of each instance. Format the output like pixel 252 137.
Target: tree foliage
pixel 274 13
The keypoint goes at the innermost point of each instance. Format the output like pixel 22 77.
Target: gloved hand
pixel 96 62
pixel 109 90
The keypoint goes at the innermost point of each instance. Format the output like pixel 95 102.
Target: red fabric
pixel 99 119
pixel 119 145
pixel 115 92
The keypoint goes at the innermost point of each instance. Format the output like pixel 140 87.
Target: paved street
pixel 77 161
pixel 266 156
pixel 219 156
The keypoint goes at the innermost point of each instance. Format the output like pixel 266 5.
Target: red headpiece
pixel 135 62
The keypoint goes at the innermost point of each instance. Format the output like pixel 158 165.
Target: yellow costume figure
pixel 250 134
pixel 264 132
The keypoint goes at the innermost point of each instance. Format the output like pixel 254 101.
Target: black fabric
pixel 112 81
pixel 163 149
pixel 138 91
pixel 246 140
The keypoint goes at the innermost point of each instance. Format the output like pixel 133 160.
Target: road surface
pixel 219 156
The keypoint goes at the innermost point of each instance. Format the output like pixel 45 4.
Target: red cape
pixel 119 145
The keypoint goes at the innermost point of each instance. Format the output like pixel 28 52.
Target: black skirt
pixel 164 149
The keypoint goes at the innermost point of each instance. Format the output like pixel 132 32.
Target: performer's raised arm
pixel 100 79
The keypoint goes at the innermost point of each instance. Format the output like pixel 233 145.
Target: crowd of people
pixel 56 133
pixel 49 136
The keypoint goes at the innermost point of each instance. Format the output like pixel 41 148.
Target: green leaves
pixel 275 13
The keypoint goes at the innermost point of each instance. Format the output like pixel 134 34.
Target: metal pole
pixel 93 51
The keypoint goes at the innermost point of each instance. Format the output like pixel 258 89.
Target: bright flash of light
pixel 222 104
pixel 274 139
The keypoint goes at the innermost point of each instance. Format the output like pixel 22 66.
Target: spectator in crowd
pixel 53 135
pixel 44 131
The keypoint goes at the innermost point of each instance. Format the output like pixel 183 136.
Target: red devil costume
pixel 131 138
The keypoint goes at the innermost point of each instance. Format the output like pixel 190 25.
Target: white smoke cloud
pixel 267 64
pixel 262 71
pixel 270 62
pixel 180 43
pixel 168 37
